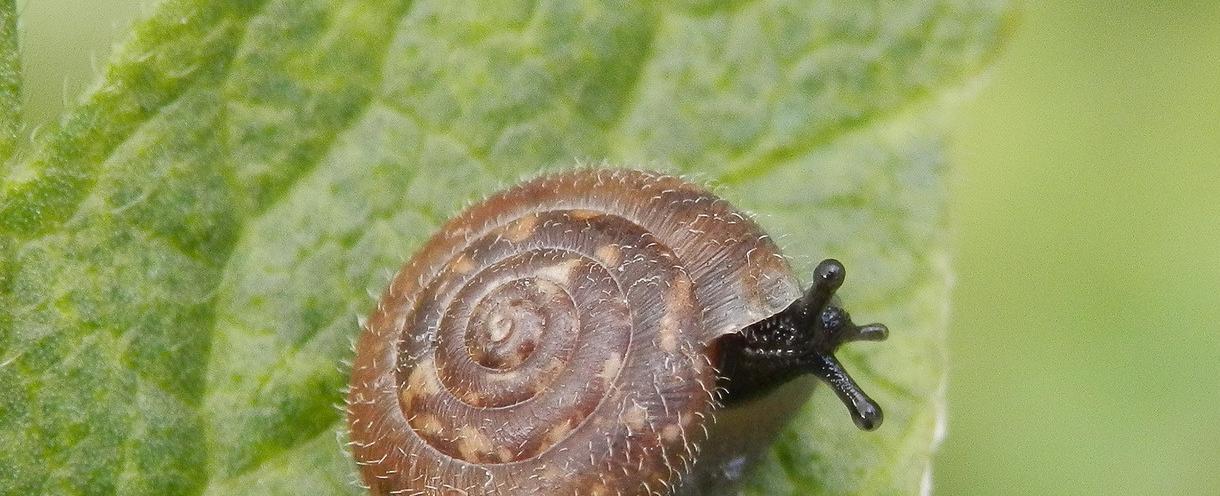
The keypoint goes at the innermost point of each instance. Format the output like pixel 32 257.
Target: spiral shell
pixel 558 338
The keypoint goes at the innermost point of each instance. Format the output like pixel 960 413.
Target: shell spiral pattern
pixel 558 339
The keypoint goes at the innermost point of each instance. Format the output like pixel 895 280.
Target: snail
pixel 592 332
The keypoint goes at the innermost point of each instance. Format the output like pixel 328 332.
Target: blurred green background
pixel 1085 346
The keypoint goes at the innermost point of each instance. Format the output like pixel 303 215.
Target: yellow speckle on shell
pixel 522 229
pixel 678 298
pixel 505 454
pixel 472 398
pixel 473 444
pixel 671 433
pixel 463 264
pixel 421 383
pixel 561 272
pixel 423 378
pixel 609 254
pixel 429 425
pixel 668 338
pixel 599 489
pixel 583 214
pixel 557 434
pixel 635 417
pixel 550 472
pixel 610 369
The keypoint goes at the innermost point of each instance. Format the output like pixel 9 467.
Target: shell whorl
pixel 556 338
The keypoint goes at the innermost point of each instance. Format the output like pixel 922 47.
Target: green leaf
pixel 182 260
pixel 10 78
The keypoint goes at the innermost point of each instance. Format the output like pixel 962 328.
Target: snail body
pixel 577 334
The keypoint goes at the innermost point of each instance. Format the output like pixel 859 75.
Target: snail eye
pixel 832 318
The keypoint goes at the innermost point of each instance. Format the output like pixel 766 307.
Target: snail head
pixel 801 340
pixel 828 326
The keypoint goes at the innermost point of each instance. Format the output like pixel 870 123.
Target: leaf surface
pixel 183 259
pixel 10 78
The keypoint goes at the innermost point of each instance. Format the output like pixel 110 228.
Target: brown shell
pixel 556 339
